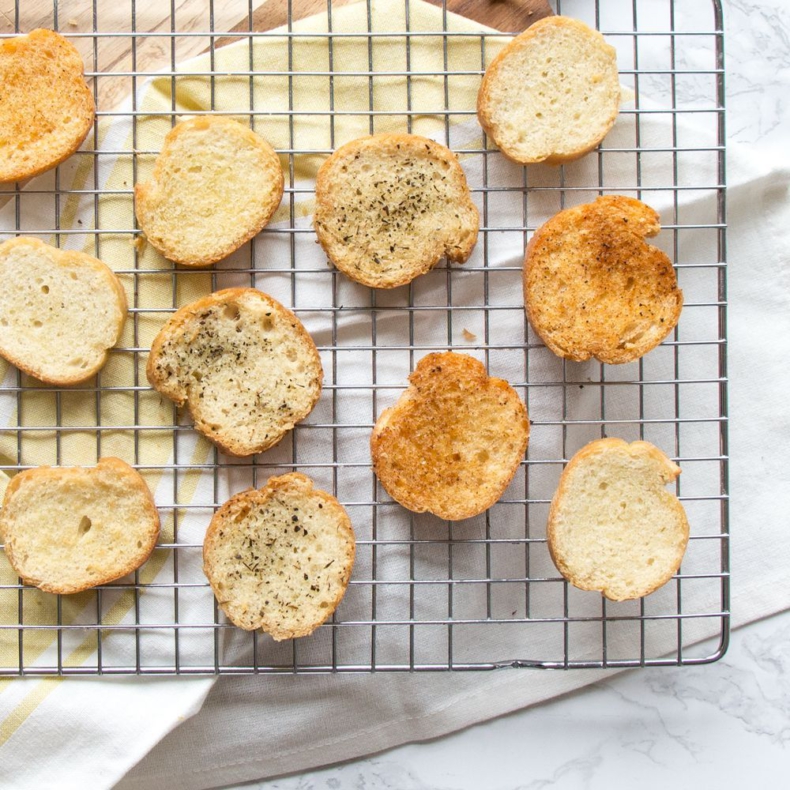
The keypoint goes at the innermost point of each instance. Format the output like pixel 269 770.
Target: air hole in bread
pixel 267 324
pixel 37 324
pixel 483 456
pixel 73 275
pixel 291 355
pixel 139 544
pixel 45 289
pixel 197 375
pixel 196 169
pixel 603 486
pixel 85 525
pixel 456 456
pixel 231 312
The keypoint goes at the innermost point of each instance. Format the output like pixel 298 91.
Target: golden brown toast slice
pixel 594 288
pixel 46 109
pixel 453 441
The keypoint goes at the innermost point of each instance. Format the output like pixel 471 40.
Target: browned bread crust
pixel 67 529
pixel 280 558
pixel 453 441
pixel 46 109
pixel 215 185
pixel 594 288
pixel 243 364
pixel 613 527
pixel 389 206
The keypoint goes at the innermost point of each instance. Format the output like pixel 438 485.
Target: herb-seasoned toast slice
pixel 280 558
pixel 390 206
pixel 244 366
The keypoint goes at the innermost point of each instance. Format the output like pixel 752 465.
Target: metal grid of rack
pixel 425 594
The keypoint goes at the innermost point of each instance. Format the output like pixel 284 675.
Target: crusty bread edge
pixel 21 175
pixel 483 96
pixel 59 257
pixel 463 252
pixel 268 491
pixel 182 317
pixel 410 393
pixel 670 473
pixel 141 192
pixel 109 463
pixel 627 354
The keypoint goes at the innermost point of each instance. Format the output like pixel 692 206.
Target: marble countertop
pixel 686 727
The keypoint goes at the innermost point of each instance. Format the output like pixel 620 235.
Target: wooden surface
pixel 115 58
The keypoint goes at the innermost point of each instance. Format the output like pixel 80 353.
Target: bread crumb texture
pixel 46 109
pixel 67 529
pixel 453 441
pixel 552 94
pixel 613 527
pixel 244 366
pixel 594 288
pixel 389 206
pixel 215 185
pixel 61 311
pixel 280 558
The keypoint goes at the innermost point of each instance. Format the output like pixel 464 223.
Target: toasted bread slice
pixel 67 529
pixel 552 94
pixel 61 311
pixel 453 441
pixel 244 366
pixel 613 527
pixel 280 558
pixel 47 108
pixel 214 186
pixel 388 207
pixel 594 288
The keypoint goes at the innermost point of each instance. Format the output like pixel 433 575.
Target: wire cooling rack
pixel 425 594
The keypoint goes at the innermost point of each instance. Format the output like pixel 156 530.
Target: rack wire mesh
pixel 425 594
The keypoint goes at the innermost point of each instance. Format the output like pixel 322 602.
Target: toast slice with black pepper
pixel 243 364
pixel 390 206
pixel 280 558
